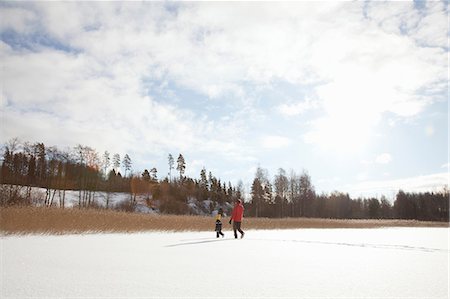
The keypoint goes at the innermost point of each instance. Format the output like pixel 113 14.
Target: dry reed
pixel 29 220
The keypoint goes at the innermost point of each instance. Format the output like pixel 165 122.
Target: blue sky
pixel 354 93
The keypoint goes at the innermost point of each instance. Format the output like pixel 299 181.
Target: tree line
pixel 294 195
pixel 27 165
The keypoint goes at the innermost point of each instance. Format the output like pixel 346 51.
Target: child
pixel 219 223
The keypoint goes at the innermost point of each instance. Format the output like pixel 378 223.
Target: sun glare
pixel 344 135
pixel 352 108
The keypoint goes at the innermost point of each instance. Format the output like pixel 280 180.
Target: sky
pixel 354 93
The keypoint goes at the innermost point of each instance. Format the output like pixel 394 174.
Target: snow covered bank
pixel 312 263
pixel 144 202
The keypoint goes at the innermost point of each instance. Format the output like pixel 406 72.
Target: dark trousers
pixel 219 229
pixel 237 228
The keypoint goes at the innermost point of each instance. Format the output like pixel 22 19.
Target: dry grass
pixel 57 221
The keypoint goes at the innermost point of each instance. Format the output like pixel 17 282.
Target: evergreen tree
pixel 153 174
pixel 41 168
pixel 307 194
pixel 126 163
pixel 146 176
pixel 257 192
pixel 181 165
pixel 106 162
pixel 31 169
pixel 116 162
pixel 171 163
pixel 203 185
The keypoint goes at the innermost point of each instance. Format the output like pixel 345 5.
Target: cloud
pixel 93 72
pixel 384 158
pixel 298 108
pixel 370 72
pixel 275 142
pixel 17 19
pixel 96 94
pixel 215 48
pixel 424 183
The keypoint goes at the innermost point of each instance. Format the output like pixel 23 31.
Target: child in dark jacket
pixel 219 223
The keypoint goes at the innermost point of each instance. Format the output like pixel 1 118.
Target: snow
pixel 308 263
pixel 100 198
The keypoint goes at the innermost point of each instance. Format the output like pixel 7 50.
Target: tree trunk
pixel 53 196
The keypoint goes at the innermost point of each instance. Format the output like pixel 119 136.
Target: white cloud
pixel 298 108
pixel 357 68
pixel 275 142
pixel 426 26
pixel 424 183
pixel 362 176
pixel 384 158
pixel 430 29
pixel 215 48
pixel 367 73
pixel 17 19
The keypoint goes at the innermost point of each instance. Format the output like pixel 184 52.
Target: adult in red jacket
pixel 236 217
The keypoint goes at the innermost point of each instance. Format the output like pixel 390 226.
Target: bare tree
pixel 293 192
pixel 106 162
pixel 89 165
pixel 281 184
pixel 13 145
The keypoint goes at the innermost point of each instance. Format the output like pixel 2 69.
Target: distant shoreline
pixel 28 220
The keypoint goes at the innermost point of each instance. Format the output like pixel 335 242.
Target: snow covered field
pixel 307 263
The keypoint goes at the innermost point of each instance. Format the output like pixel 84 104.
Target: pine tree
pixel 181 165
pixel 257 195
pixel 307 194
pixel 153 174
pixel 106 162
pixel 116 162
pixel 146 175
pixel 126 163
pixel 203 184
pixel 171 163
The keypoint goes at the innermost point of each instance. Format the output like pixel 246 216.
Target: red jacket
pixel 238 213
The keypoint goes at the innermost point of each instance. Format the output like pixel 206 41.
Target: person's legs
pixel 217 234
pixel 237 227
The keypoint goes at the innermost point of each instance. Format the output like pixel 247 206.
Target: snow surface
pixel 308 263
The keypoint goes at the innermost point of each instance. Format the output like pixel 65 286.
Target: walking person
pixel 236 217
pixel 219 223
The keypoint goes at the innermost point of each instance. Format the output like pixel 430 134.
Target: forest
pixel 26 165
